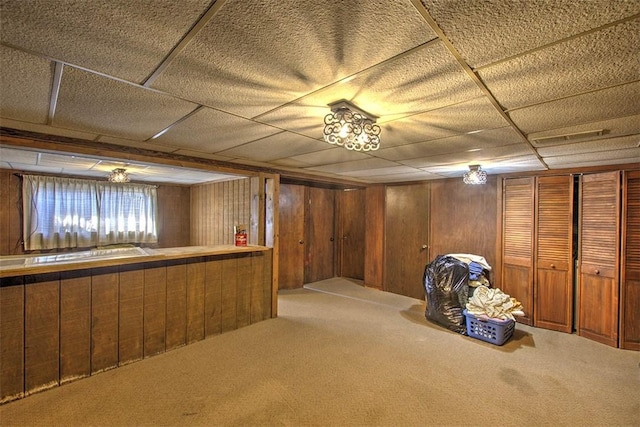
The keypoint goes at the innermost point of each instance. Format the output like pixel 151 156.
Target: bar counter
pixel 65 317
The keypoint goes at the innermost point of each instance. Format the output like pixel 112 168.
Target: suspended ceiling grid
pixel 512 85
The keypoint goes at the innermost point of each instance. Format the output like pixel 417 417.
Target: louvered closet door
pixel 517 243
pixel 599 244
pixel 630 280
pixel 553 284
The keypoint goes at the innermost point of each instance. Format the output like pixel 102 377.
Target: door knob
pixel 553 266
pixel 424 246
pixel 301 241
pixel 597 271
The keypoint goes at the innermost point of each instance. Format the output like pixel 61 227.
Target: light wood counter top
pixel 22 265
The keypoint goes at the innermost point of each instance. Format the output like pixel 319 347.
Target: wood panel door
pixel 351 232
pixel 291 236
pixel 320 247
pixel 553 284
pixel 599 243
pixel 517 243
pixel 406 239
pixel 630 272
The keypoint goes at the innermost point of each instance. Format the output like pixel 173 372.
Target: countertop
pixel 11 266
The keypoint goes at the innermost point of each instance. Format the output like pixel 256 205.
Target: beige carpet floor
pixel 343 355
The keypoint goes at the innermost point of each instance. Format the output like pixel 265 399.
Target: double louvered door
pixel 599 246
pixel 537 249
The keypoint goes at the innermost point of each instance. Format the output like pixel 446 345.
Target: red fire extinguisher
pixel 240 235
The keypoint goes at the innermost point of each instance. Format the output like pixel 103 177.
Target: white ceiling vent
pixel 544 140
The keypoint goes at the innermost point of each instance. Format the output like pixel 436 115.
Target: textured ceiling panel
pixel 96 104
pixel 415 176
pixel 18 156
pixel 122 38
pixel 484 32
pixel 630 155
pixel 210 131
pixel 459 143
pixel 324 157
pixel 25 86
pixel 392 170
pixel 611 128
pixel 618 101
pixel 611 144
pixel 592 62
pixel 470 157
pixel 354 166
pixel 471 116
pixel 135 144
pixel 57 160
pixel 254 56
pixel 274 147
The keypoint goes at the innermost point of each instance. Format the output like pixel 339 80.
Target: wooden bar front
pixel 63 325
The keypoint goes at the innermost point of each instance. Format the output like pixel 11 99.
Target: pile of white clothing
pixel 493 303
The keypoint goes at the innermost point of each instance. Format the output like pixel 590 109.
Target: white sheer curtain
pixel 68 213
pixel 127 213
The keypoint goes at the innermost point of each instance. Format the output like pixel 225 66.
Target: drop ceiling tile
pixel 392 170
pixel 126 39
pixel 611 128
pixel 211 131
pixel 483 156
pixel 282 145
pixel 5 165
pixel 413 176
pixel 618 101
pixel 328 156
pixel 66 161
pixel 134 144
pixel 484 32
pixel 354 166
pixel 597 146
pixel 254 56
pixel 471 116
pixel 599 158
pixel 25 85
pixel 588 63
pixel 92 103
pixel 17 156
pixel 423 80
pixel 467 142
pixel 35 168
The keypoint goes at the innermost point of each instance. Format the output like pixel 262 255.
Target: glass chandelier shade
pixel 118 175
pixel 351 128
pixel 475 175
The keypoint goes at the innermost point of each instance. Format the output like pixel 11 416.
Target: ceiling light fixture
pixel 118 175
pixel 351 127
pixel 475 175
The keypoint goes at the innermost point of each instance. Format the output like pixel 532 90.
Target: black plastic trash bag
pixel 446 285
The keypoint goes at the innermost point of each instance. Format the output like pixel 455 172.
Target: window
pixel 69 213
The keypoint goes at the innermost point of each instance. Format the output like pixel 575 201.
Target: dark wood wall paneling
pixel 174 215
pixel 55 328
pixel 463 218
pixel 216 208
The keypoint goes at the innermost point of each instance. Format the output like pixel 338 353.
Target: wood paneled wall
pixel 58 327
pixel 10 213
pixel 463 219
pixel 216 208
pixel 174 214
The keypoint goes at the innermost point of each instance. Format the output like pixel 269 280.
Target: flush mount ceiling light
pixel 118 175
pixel 475 175
pixel 351 127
